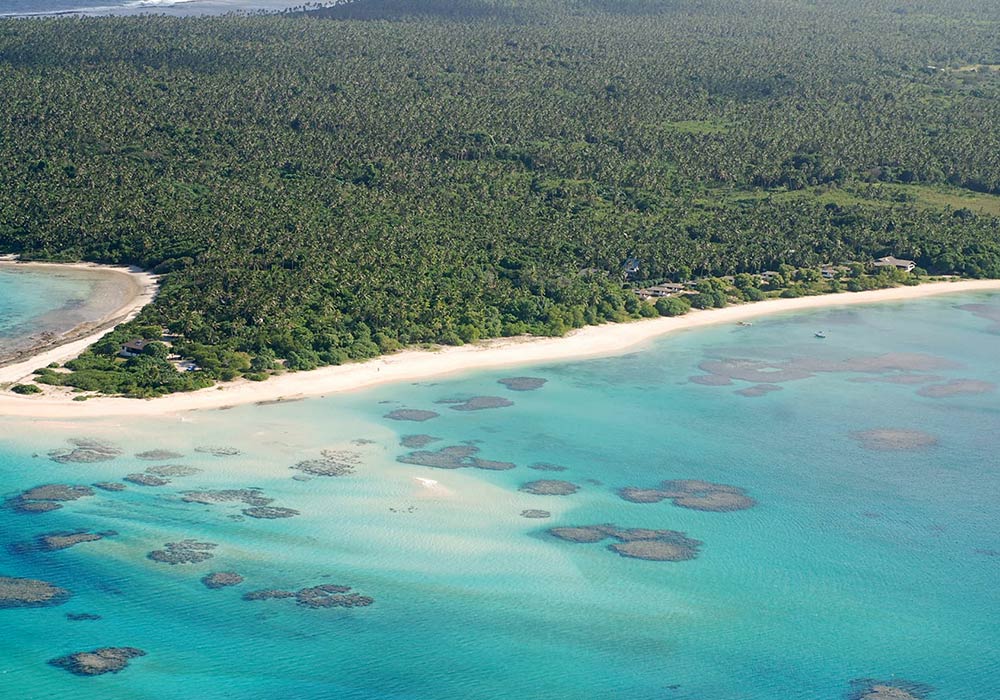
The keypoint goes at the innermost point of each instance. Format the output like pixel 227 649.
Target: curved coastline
pixel 142 289
pixel 416 364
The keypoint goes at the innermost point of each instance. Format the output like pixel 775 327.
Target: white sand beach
pixel 413 365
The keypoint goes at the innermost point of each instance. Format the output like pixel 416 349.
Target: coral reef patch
pixel 634 543
pixel 549 487
pixel 411 414
pixel 453 457
pixel 98 661
pixel 693 494
pixel 85 451
pixel 523 383
pixel 183 552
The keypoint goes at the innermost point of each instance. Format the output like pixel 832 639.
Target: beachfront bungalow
pixel 657 291
pixel 133 347
pixel 831 272
pixel 898 263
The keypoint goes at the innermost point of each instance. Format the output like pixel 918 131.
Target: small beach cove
pixel 416 364
pixel 50 312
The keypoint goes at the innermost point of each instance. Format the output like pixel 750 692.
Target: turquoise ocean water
pixel 858 561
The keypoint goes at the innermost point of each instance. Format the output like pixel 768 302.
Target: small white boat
pixel 820 334
pixel 744 323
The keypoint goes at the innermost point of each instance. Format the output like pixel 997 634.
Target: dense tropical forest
pixel 326 186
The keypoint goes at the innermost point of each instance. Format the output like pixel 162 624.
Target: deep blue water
pixel 858 561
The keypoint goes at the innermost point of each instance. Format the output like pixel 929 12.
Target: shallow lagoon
pixel 855 562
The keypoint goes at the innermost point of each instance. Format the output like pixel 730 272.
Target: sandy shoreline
pixel 142 288
pixel 413 365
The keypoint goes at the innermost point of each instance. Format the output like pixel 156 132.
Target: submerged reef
pixel 146 479
pixel 758 390
pixel 415 442
pixel 222 579
pixel 634 543
pixel 523 383
pixel 896 689
pixel 549 487
pixel 82 617
pixel 411 414
pixel 270 512
pixel 957 387
pixel 42 499
pixel 693 494
pixel 98 661
pixel 158 455
pixel 546 467
pixel 887 439
pixel 173 470
pixel 183 552
pixel 477 403
pixel 217 451
pixel 85 451
pixel 988 311
pixel 453 457
pixel 535 514
pixel 767 373
pixel 30 593
pixel 109 486
pixel 249 496
pixel 332 463
pixel 54 541
pixel 323 596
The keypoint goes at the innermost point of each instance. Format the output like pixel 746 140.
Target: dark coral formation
pixel 534 513
pixel 30 593
pixel 158 455
pixel 549 487
pixel 85 451
pixel 146 479
pixel 546 467
pixel 55 541
pixel 270 512
pixel 249 496
pixel 323 596
pixel 415 442
pixel 222 579
pixel 98 661
pixel 332 463
pixel 173 470
pixel 82 617
pixel 183 552
pixel 904 378
pixel 896 689
pixel 758 390
pixel 42 499
pixel 888 439
pixel 477 403
pixel 957 387
pixel 693 494
pixel 217 451
pixel 523 383
pixel 634 543
pixel 109 486
pixel 411 414
pixel 453 457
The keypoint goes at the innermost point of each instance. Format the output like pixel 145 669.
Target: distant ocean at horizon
pixel 42 8
pixel 873 550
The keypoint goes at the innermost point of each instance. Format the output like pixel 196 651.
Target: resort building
pixel 133 347
pixel 657 291
pixel 898 263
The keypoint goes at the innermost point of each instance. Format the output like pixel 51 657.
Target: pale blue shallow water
pixel 26 296
pixel 855 563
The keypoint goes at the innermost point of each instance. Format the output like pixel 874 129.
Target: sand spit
pixel 416 365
